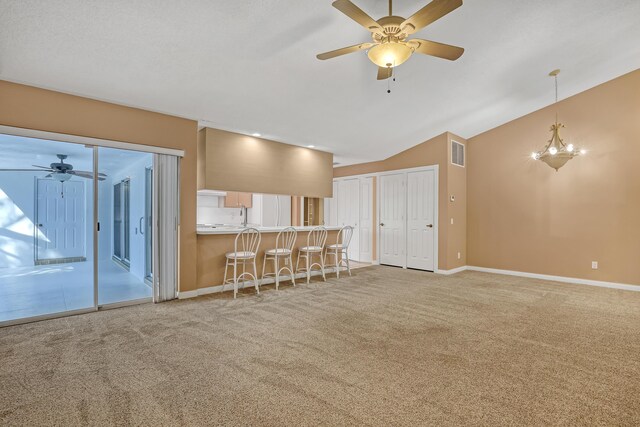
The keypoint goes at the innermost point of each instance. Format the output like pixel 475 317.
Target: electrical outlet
pixel 594 265
pixel 451 221
pixel 458 255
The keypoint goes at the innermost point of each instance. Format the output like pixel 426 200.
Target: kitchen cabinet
pixel 235 199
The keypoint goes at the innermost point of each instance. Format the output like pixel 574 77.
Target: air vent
pixel 457 153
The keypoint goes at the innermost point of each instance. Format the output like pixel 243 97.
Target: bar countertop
pixel 235 229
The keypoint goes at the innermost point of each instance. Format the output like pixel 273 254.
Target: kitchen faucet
pixel 243 211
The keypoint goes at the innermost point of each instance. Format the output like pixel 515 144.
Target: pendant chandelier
pixel 556 153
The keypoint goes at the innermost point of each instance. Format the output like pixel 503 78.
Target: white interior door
pixel 61 220
pixel 392 219
pixel 366 219
pixel 420 220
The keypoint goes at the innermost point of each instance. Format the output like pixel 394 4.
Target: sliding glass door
pixel 77 229
pixel 122 209
pixel 46 228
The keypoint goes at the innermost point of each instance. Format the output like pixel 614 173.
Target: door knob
pixel 382 224
pixel 429 225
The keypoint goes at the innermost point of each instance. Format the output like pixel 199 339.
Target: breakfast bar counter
pixel 215 241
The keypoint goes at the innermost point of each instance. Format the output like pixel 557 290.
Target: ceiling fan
pixel 390 46
pixel 60 171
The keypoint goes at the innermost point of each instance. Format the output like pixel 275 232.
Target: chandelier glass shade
pixel 556 153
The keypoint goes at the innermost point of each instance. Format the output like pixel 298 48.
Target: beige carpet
pixel 385 347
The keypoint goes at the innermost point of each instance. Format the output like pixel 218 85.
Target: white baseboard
pixel 249 284
pixel 452 271
pixel 187 294
pixel 613 285
pixel 563 279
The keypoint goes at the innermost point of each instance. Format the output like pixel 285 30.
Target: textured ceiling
pixel 250 66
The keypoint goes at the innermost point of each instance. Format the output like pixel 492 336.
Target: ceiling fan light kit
pixel 389 54
pixel 390 47
pixel 556 153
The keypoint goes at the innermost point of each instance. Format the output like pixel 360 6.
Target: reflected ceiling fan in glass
pixel 60 171
pixel 390 46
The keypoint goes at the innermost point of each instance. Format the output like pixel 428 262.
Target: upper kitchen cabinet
pixel 235 162
pixel 235 199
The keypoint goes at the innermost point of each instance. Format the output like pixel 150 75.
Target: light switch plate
pixel 594 265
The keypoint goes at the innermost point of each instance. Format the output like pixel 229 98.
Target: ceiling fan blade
pixel 358 15
pixel 88 173
pixel 428 14
pixel 441 50
pixel 42 167
pixel 345 50
pixel 82 174
pixel 384 73
pixel 25 170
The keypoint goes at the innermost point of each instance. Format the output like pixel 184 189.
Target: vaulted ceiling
pixel 249 66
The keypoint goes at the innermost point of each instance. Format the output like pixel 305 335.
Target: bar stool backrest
pixel 317 237
pixel 248 240
pixel 286 238
pixel 344 236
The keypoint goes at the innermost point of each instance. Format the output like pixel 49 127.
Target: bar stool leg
pixel 335 255
pixel 255 277
pixel 293 275
pixel 348 265
pixel 308 271
pixel 264 265
pixel 235 278
pixel 226 267
pixel 324 277
pixel 275 269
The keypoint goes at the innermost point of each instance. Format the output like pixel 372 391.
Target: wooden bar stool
pixel 340 250
pixel 316 239
pixel 244 252
pixel 283 250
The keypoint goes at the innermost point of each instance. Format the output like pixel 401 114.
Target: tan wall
pixel 456 210
pixel 524 216
pixel 432 152
pixel 44 110
pixel 238 162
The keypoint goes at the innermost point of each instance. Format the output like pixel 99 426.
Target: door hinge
pixel 98 226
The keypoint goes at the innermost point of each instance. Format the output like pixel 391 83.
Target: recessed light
pixel 311 146
pixel 256 134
